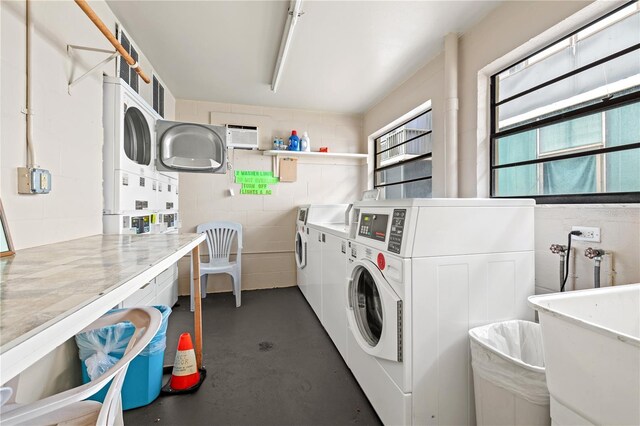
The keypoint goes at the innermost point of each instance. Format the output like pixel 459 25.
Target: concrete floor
pixel 269 362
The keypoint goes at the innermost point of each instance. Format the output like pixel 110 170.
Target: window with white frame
pixel 403 159
pixel 565 121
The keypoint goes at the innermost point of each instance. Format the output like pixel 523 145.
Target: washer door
pixel 191 147
pixel 137 138
pixel 301 250
pixel 374 312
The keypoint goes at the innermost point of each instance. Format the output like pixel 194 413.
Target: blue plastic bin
pixel 144 376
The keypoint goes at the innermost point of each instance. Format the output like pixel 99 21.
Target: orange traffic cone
pixel 185 372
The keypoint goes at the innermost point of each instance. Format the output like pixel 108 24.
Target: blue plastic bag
pixel 100 349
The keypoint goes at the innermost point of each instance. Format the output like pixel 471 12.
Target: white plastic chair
pixel 69 406
pixel 220 236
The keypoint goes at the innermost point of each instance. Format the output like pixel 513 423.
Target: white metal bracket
pixel 71 47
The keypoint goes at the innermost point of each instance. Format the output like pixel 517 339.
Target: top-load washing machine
pixel 420 274
pixel 318 214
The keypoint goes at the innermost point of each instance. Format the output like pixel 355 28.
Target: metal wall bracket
pixel 70 48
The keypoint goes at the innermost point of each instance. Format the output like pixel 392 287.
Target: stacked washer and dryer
pixel 420 274
pixel 142 155
pixel 138 199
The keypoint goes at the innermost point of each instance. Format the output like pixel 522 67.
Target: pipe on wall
pixel 451 114
pixel 31 155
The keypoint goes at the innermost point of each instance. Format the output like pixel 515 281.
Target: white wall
pixel 67 133
pixel 67 127
pixel 514 29
pixel 269 221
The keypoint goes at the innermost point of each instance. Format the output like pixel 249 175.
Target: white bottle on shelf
pixel 305 142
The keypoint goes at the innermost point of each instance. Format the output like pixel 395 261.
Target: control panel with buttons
pixel 397 230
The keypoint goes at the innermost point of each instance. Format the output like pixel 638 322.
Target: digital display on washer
pixel 373 226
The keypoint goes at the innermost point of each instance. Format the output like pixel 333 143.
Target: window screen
pixel 565 121
pixel 403 159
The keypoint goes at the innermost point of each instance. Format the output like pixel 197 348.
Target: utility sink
pixel 591 342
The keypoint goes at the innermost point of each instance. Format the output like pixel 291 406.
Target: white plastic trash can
pixel 509 375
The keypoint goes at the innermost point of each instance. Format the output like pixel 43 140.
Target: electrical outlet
pixel 588 234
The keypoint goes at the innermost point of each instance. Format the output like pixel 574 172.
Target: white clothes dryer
pixel 129 125
pixel 129 173
pixel 420 274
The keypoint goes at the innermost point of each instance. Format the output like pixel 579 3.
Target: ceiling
pixel 345 56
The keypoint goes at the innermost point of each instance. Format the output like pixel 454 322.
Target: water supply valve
pixel 558 248
pixel 592 253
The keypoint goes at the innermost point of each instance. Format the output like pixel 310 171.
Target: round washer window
pixel 299 248
pixel 137 139
pixel 367 306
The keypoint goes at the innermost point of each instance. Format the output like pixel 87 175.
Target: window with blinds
pixel 565 121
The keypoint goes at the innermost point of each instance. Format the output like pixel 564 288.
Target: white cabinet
pixel 162 290
pixel 167 287
pixel 334 293
pixel 314 271
pixel 144 296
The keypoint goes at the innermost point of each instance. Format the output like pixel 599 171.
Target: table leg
pixel 197 312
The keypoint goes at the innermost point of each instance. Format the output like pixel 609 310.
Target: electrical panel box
pixel 33 181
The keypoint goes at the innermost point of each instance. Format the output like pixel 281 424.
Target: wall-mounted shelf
pixel 277 154
pixel 314 154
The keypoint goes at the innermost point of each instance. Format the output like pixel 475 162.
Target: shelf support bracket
pixel 71 47
pixel 276 165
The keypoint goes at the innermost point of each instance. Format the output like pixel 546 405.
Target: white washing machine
pixel 421 273
pixel 301 248
pixel 318 215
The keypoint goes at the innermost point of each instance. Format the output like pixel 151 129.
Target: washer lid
pixel 190 147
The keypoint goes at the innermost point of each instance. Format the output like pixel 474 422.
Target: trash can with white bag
pixel 509 374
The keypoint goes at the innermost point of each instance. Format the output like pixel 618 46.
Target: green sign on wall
pixel 255 182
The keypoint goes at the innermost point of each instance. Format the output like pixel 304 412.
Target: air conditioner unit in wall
pixel 242 137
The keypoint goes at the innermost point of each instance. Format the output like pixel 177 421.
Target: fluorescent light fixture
pixel 292 18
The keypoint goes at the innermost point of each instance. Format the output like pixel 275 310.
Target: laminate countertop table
pixel 49 293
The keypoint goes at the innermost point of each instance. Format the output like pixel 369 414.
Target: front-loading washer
pixel 301 248
pixel 378 342
pixel 420 274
